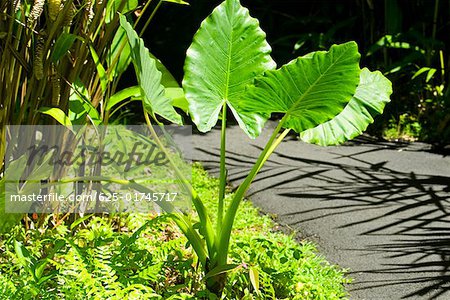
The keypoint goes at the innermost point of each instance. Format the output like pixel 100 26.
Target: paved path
pixel 379 209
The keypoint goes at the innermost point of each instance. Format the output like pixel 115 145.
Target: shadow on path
pixel 399 220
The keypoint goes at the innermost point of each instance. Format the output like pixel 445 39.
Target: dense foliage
pixel 145 257
pixel 70 57
pixel 405 39
pixel 324 96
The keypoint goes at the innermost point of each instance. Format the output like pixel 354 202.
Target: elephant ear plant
pixel 323 96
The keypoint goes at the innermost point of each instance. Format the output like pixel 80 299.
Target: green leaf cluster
pixel 323 96
pixel 229 64
pixel 145 257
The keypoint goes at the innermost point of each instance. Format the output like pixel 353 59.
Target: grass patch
pixel 146 257
pixel 407 128
pixel 286 268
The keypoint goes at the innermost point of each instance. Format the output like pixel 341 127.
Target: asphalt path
pixel 379 209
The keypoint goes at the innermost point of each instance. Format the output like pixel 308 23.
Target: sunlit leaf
pixel 177 1
pixel 178 98
pixel 119 54
pixel 57 114
pixel 227 52
pixel 122 6
pixel 371 96
pixel 100 69
pixel 149 78
pixel 220 270
pixel 118 97
pixel 254 277
pixel 309 90
pixel 80 106
pixel 167 79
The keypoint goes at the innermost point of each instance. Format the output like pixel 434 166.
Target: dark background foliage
pixel 418 30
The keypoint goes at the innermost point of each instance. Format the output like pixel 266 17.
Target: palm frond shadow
pixel 418 208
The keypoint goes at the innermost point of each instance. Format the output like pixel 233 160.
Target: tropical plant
pixel 62 61
pixel 144 256
pixel 323 96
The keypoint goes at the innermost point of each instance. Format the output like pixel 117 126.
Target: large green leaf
pixel 167 79
pixel 178 98
pixel 119 58
pixel 149 78
pixel 371 96
pixel 309 90
pixel 227 52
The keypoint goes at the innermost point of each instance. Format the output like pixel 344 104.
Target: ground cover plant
pixel 323 96
pixel 145 257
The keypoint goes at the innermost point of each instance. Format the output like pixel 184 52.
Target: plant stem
pixel 433 32
pixel 201 209
pixel 223 170
pixel 224 238
pixel 142 13
pixel 274 146
pixel 435 17
pixel 150 18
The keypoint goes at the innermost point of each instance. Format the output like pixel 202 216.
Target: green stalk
pixel 223 170
pixel 192 236
pixel 201 209
pixel 98 21
pixel 224 238
pixel 435 17
pixel 142 13
pixel 150 18
pixel 275 145
pixel 430 51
